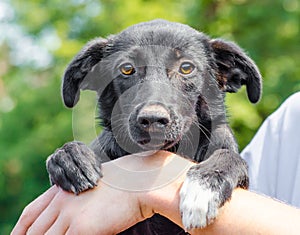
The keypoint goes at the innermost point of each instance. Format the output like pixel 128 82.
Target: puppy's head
pixel 156 79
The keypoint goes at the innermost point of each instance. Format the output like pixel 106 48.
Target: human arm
pixel 59 212
pixel 246 213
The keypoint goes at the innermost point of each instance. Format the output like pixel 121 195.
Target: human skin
pixel 60 212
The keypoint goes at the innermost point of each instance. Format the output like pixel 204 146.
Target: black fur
pixel 157 107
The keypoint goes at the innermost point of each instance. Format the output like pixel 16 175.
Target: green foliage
pixel 38 38
pixel 269 32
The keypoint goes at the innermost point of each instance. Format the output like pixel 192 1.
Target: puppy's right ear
pixel 79 67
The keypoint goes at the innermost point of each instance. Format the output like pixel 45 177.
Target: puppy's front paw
pixel 74 167
pixel 198 204
pixel 201 196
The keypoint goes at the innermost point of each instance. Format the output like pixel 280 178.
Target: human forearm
pixel 250 213
pixel 246 213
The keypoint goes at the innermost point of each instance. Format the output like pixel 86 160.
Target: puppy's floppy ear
pixel 235 69
pixel 79 67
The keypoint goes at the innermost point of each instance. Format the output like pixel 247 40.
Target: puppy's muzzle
pixel 149 124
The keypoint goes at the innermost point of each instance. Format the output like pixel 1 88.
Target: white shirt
pixel 274 154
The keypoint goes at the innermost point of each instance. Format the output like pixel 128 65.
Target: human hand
pixel 109 208
pixel 103 210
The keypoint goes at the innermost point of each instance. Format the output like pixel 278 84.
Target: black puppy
pixel 161 85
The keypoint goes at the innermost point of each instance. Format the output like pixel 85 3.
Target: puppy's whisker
pixel 204 130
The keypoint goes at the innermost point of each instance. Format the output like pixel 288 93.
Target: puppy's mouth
pixel 157 143
pixel 156 126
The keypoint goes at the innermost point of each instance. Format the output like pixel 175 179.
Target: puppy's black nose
pixel 153 116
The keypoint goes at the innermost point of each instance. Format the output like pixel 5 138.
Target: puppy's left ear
pixel 235 69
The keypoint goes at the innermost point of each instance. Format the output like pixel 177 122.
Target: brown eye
pixel 127 69
pixel 186 68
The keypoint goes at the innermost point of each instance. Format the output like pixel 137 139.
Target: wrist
pixel 155 181
pixel 164 200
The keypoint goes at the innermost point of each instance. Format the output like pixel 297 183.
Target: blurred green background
pixel 38 38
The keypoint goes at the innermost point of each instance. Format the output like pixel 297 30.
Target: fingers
pixel 60 225
pixel 44 221
pixel 33 211
pixel 55 218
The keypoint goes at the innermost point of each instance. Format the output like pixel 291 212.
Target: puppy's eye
pixel 186 68
pixel 127 69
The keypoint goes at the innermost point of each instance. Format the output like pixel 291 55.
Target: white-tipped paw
pixel 198 204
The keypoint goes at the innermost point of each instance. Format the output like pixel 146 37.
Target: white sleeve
pixel 273 155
